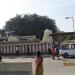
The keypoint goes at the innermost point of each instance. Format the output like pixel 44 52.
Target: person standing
pixel 28 52
pixel 49 50
pixel 39 64
pixel 0 55
pixel 53 51
pixel 57 50
pixel 17 50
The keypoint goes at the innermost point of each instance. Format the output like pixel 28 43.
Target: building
pixel 10 42
pixel 11 36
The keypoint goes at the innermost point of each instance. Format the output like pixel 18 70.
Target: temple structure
pixel 47 37
pixel 10 43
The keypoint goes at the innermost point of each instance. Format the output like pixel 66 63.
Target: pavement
pixel 51 67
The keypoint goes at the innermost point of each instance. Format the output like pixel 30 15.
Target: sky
pixel 55 9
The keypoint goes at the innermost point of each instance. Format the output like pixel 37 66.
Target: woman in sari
pixel 39 64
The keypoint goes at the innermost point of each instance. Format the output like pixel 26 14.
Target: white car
pixel 67 50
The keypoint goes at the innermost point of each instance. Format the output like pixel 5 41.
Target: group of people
pixel 54 51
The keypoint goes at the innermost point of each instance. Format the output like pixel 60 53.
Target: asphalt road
pixel 51 67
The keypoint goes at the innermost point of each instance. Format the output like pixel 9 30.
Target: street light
pixel 72 20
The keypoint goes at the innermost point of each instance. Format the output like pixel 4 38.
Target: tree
pixel 30 25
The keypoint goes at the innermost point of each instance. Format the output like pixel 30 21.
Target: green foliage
pixel 30 25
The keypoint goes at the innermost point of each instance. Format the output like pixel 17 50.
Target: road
pixel 51 67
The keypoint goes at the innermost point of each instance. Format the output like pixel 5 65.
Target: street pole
pixel 72 21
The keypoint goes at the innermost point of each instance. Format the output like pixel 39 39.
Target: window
pixel 65 46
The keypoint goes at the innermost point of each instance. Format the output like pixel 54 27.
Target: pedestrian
pixel 49 50
pixel 0 56
pixel 17 50
pixel 28 52
pixel 39 64
pixel 53 51
pixel 57 50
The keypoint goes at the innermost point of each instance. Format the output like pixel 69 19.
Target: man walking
pixel 53 51
pixel 57 50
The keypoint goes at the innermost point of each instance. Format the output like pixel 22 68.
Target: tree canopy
pixel 30 25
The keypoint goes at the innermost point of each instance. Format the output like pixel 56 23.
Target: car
pixel 67 50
